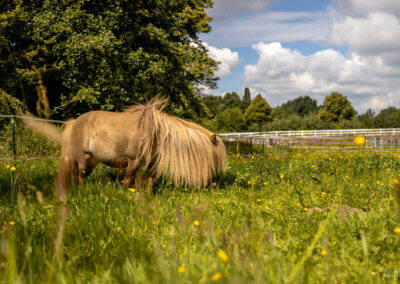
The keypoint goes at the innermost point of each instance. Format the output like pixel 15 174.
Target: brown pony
pixel 146 141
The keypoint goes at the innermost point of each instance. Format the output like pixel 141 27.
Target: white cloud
pixel 362 8
pixel 283 74
pixel 368 73
pixel 267 26
pixel 383 101
pixel 375 34
pixel 225 9
pixel 228 59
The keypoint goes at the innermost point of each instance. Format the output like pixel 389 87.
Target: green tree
pixel 259 112
pixel 336 108
pixel 388 118
pixel 246 100
pixel 214 104
pixel 230 120
pixel 105 54
pixel 10 105
pixel 301 105
pixel 367 119
pixel 231 100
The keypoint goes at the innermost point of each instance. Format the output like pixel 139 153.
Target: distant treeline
pixel 231 113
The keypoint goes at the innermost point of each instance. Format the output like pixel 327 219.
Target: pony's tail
pixel 50 131
pixel 68 171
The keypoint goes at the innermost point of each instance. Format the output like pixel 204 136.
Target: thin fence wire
pixel 18 142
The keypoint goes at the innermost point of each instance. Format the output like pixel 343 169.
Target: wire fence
pixel 18 142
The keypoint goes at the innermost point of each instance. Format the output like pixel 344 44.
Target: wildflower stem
pixel 309 250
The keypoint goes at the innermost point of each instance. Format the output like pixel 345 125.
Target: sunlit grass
pixel 302 217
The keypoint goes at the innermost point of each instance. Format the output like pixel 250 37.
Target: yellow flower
pixel 12 223
pixel 323 252
pixel 258 200
pixel 265 182
pixel 396 230
pixel 13 168
pixel 359 140
pixel 8 166
pixel 323 194
pixel 131 189
pixel 282 176
pixel 305 209
pixel 396 181
pixel 118 229
pixel 222 255
pixel 154 222
pixel 181 269
pixel 196 223
pixel 298 204
pixel 216 276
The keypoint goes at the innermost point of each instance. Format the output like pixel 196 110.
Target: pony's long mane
pixel 176 149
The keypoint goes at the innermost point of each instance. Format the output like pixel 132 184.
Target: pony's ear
pixel 214 139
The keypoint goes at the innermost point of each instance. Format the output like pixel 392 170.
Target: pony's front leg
pixel 85 168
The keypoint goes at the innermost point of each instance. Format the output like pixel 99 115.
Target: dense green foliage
pixel 105 54
pixel 11 105
pixel 301 106
pixel 389 117
pixel 230 120
pixel 246 100
pixel 336 108
pixel 258 111
pixel 308 217
pixel 302 113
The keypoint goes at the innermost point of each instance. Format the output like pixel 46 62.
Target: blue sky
pixel 284 49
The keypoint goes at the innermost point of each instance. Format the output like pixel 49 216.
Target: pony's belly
pixel 116 163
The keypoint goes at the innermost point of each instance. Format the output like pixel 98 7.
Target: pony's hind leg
pixel 144 182
pixel 130 173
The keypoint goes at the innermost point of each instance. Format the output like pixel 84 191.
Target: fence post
pixel 13 137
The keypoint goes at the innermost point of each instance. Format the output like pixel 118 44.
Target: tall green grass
pixel 302 217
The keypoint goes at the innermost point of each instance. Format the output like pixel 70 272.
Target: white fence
pixel 376 139
pixel 315 133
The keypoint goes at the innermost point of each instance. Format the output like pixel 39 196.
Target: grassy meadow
pixel 298 217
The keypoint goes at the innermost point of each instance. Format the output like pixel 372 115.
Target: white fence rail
pixel 376 139
pixel 315 133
